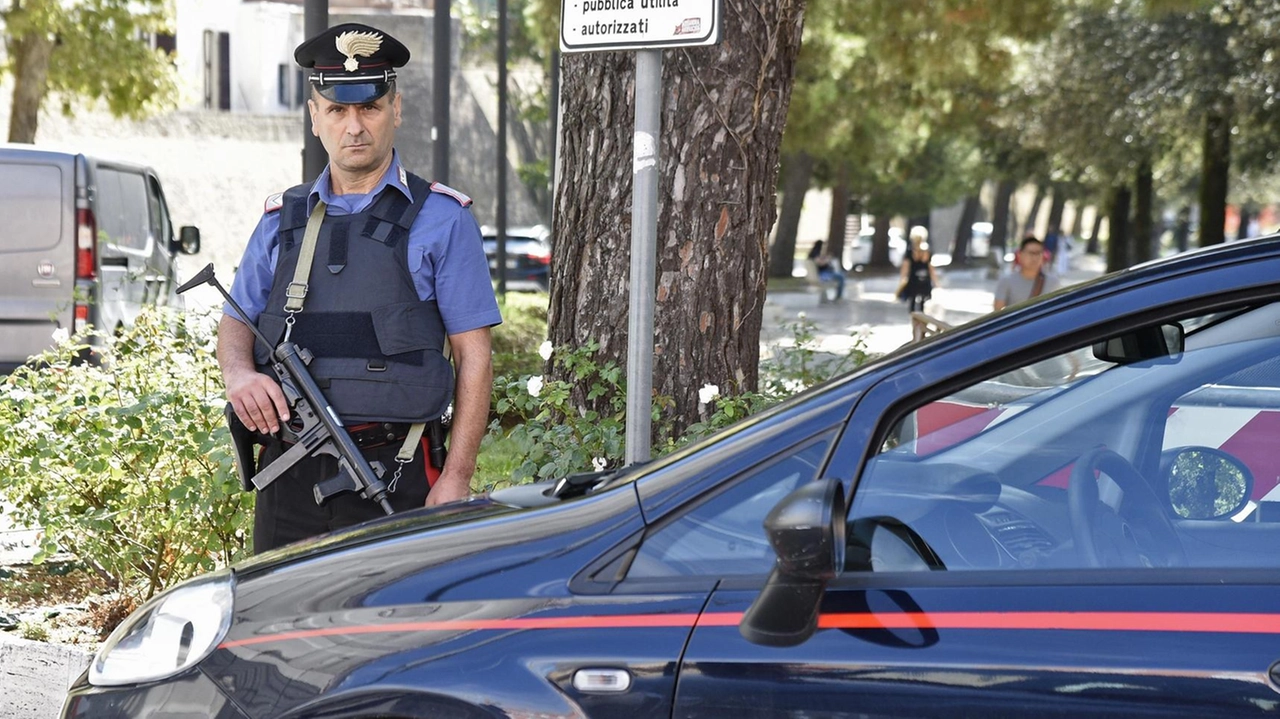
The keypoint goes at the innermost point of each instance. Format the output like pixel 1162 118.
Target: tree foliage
pixel 127 464
pixel 86 49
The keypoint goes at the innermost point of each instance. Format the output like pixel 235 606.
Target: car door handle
pixel 602 681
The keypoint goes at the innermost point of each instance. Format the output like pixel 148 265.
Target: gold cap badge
pixel 357 44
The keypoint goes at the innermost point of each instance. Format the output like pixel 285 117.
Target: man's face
pixel 1031 257
pixel 358 138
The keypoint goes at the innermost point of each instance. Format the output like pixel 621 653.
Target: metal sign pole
pixel 644 254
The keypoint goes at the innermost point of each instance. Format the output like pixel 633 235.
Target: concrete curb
pixel 34 677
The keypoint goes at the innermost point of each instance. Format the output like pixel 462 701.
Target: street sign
pixel 588 25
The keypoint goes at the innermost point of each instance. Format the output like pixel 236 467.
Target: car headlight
pixel 170 633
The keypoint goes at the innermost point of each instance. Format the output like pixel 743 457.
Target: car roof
pixel 58 153
pixel 533 232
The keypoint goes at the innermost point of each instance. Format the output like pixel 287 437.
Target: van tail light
pixel 81 317
pixel 540 258
pixel 86 247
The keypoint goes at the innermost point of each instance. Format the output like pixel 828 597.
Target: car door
pixel 125 243
pixel 1018 544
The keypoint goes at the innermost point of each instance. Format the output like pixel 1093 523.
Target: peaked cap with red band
pixel 352 63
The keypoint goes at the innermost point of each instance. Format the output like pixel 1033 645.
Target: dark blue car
pixel 1070 508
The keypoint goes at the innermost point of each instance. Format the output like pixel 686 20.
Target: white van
pixel 83 241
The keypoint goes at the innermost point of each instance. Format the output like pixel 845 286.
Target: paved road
pixel 871 310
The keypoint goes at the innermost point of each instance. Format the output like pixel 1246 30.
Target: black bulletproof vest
pixel 378 348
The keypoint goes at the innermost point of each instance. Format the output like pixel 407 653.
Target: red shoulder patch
pixel 273 203
pixel 446 190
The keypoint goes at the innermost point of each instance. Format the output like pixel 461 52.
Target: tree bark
pixel 838 223
pixel 964 231
pixel 1000 219
pixel 880 243
pixel 1056 210
pixel 1215 164
pixel 1118 250
pixel 1144 202
pixel 797 174
pixel 1028 226
pixel 723 111
pixel 1095 244
pixel 30 53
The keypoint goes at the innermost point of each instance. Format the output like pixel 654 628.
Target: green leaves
pixel 124 465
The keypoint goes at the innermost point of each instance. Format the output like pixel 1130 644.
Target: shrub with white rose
pixel 127 464
pixel 554 438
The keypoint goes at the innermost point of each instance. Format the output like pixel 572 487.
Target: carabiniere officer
pixel 399 266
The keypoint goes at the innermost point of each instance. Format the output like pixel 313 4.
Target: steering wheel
pixel 1141 535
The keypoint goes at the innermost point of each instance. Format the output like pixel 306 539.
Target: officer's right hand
pixel 258 401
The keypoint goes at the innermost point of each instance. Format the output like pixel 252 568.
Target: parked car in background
pixel 528 252
pixel 980 240
pixel 83 241
pixel 857 254
pixel 1063 509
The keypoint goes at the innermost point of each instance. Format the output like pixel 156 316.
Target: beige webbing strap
pixel 296 292
pixel 405 455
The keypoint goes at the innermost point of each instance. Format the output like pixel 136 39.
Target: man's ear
pixel 314 110
pixel 396 104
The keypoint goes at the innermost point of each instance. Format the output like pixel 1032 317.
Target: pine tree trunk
pixel 1056 209
pixel 724 108
pixel 30 54
pixel 1000 219
pixel 964 232
pixel 797 174
pixel 1118 252
pixel 1029 225
pixel 1095 244
pixel 1216 163
pixel 837 224
pixel 1143 207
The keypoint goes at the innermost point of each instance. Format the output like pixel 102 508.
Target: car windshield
pixel 1041 416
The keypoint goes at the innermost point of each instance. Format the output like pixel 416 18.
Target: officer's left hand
pixel 449 488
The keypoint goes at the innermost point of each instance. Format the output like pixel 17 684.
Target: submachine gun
pixel 317 429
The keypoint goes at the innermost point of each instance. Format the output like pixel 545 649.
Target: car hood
pixel 401 523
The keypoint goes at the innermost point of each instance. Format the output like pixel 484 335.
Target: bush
pixel 540 433
pixel 516 340
pixel 126 465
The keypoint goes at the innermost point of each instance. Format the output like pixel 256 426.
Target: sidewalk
pixel 870 308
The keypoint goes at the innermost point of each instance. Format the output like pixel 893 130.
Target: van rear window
pixel 30 207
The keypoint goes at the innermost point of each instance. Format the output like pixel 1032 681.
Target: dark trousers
pixel 286 511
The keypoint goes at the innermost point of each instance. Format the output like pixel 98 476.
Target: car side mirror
pixel 1205 483
pixel 1144 343
pixel 807 531
pixel 188 241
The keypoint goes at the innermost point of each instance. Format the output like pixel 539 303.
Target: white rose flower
pixel 801 315
pixel 534 386
pixel 599 463
pixel 544 350
pixel 61 335
pixel 708 393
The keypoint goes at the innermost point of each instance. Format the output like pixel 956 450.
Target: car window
pixel 160 226
pixel 124 217
pixel 31 205
pixel 1079 462
pixel 724 534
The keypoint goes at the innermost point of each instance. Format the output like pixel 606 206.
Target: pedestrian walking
pixel 918 278
pixel 1028 278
